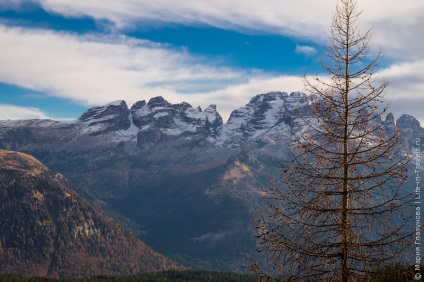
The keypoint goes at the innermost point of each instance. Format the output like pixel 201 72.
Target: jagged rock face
pixel 389 125
pixel 159 120
pixel 111 117
pixel 264 114
pixel 411 131
pixel 409 122
pixel 48 230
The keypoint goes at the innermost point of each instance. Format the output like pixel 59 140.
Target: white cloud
pixel 15 112
pixel 288 16
pixel 96 70
pixel 305 50
pixel 14 4
pixel 394 24
pixel 406 90
pixel 237 95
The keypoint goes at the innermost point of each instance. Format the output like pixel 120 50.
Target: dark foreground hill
pixel 46 229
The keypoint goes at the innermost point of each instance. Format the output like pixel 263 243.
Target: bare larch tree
pixel 341 212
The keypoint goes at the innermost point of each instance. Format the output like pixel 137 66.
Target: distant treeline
pixel 188 275
pixel 392 273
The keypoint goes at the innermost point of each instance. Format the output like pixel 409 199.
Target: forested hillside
pixel 46 229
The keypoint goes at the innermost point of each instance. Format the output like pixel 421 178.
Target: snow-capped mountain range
pixel 160 120
pixel 184 179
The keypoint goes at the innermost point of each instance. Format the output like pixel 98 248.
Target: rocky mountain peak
pixel 390 118
pixel 267 97
pixel 160 120
pixel 210 109
pixel 158 102
pixel 111 109
pixel 389 125
pixel 264 113
pixel 138 105
pixel 411 130
pixel 407 121
pixel 111 117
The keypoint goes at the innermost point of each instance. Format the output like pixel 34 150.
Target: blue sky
pixel 61 57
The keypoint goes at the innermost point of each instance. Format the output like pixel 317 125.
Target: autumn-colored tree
pixel 341 212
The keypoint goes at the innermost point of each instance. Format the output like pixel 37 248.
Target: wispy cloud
pixel 94 70
pixel 289 16
pixel 393 23
pixel 97 69
pixel 407 88
pixel 305 50
pixel 237 95
pixel 15 112
pixel 14 4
